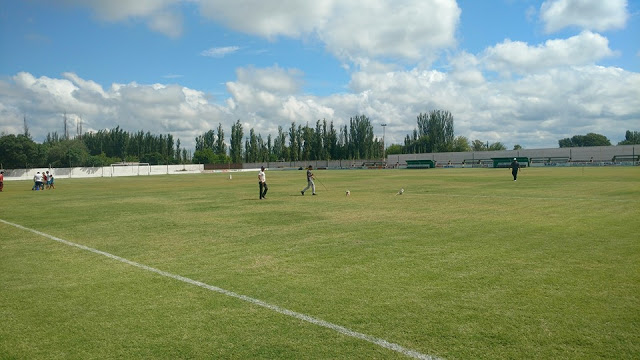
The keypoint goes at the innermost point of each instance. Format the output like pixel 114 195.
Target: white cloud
pixel 519 57
pixel 273 79
pixel 410 29
pixel 115 10
pixel 269 19
pixel 407 29
pixel 156 108
pixel 596 15
pixel 218 52
pixel 534 110
pixel 167 23
pixel 404 29
pixel 158 14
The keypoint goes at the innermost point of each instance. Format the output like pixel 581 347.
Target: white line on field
pixel 341 329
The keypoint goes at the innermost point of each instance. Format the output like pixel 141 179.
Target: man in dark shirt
pixel 310 183
pixel 515 167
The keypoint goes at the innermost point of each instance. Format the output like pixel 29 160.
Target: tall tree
pixel 177 154
pixel 279 145
pixel 361 144
pixel 461 144
pixel 332 143
pixel 26 128
pixel 631 138
pixel 220 147
pixel 307 143
pixel 477 145
pixel 235 152
pixel 434 133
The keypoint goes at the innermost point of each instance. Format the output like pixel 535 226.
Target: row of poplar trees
pixel 296 143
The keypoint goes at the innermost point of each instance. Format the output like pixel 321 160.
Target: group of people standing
pixel 42 180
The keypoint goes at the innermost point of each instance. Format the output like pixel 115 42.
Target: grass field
pixel 466 264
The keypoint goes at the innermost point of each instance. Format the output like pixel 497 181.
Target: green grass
pixel 466 264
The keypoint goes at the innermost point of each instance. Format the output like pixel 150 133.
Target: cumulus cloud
pixel 519 57
pixel 586 14
pixel 410 29
pixel 167 23
pixel 156 13
pixel 535 109
pixel 273 79
pixel 269 19
pixel 405 29
pixel 157 108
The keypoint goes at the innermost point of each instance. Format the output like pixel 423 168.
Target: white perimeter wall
pixel 105 171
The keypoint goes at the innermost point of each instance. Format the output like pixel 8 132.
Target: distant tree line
pixel 90 149
pixel 297 143
pixel 324 141
pixel 592 139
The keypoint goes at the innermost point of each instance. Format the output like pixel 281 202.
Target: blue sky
pixel 515 71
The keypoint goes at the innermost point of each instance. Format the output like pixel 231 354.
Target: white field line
pixel 341 329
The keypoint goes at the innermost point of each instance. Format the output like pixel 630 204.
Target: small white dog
pixel 348 193
pixel 400 192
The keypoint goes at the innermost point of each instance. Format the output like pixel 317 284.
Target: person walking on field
pixel 310 183
pixel 262 180
pixel 1 180
pixel 515 167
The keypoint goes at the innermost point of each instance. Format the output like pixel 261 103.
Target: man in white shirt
pixel 37 179
pixel 262 180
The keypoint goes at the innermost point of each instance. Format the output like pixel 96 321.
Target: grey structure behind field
pixel 575 156
pixel 624 155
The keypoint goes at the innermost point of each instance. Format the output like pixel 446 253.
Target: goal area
pixel 130 169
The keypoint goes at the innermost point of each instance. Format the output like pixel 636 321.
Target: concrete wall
pixel 106 171
pixel 576 154
pixel 600 154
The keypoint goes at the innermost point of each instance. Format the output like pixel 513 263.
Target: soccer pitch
pixel 465 264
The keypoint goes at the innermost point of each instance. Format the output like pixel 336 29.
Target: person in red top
pixel 1 180
pixel 44 180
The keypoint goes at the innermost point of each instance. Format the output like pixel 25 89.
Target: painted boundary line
pixel 341 329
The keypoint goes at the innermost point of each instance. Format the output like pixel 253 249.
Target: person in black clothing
pixel 515 167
